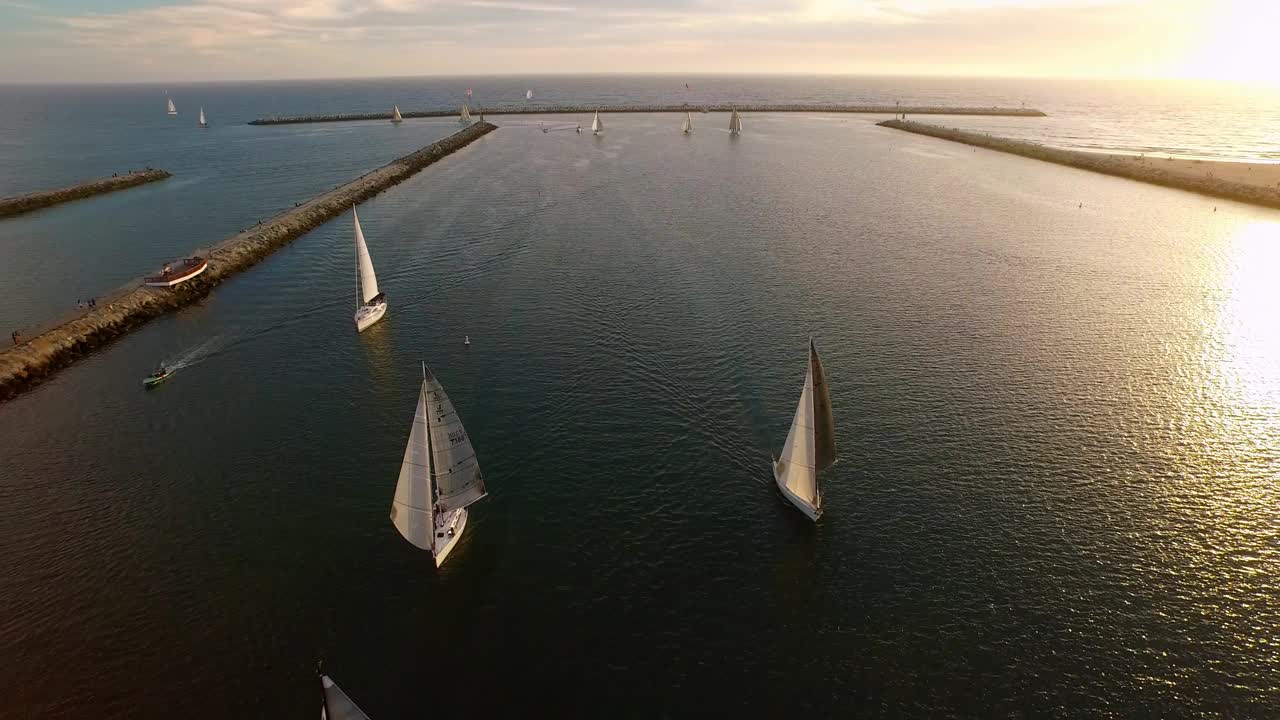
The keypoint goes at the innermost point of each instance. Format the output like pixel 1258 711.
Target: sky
pixel 196 40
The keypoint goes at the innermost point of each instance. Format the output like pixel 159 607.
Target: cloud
pixel 330 38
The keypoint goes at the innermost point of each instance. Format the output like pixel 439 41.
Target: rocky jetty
pixel 584 109
pixel 20 204
pixel 35 358
pixel 1126 166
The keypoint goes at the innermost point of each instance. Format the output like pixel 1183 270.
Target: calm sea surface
pixel 1059 426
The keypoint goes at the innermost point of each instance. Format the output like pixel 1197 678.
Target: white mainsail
pixel 597 126
pixel 364 264
pixel 172 109
pixel 202 121
pixel 528 94
pixel 337 705
pixel 395 114
pixel 411 510
pixel 453 461
pixel 688 123
pixel 811 446
pixel 735 122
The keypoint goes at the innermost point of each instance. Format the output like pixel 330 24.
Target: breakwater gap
pixel 586 109
pixel 35 358
pixel 1125 166
pixel 29 202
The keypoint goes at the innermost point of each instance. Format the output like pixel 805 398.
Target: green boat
pixel 160 375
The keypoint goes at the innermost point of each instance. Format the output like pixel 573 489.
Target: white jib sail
pixel 395 113
pixel 596 125
pixel 337 706
pixel 453 460
pixel 798 470
pixel 368 281
pixel 411 509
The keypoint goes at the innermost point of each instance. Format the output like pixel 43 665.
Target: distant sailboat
pixel 688 123
pixel 811 444
pixel 439 476
pixel 597 126
pixel 203 124
pixel 371 305
pixel 528 94
pixel 172 110
pixel 395 114
pixel 464 115
pixel 735 123
pixel 335 705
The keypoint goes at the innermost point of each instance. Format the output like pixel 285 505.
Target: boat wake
pixel 197 355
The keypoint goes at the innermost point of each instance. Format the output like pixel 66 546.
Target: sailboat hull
pixel 370 314
pixel 448 533
pixel 811 512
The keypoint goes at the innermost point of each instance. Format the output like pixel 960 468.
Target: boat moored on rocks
pixel 174 274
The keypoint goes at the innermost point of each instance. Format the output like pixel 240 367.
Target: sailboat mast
pixel 324 697
pixel 356 221
pixel 431 462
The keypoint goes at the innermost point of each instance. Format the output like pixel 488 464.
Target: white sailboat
pixel 202 123
pixel 735 122
pixel 688 123
pixel 464 115
pixel 172 110
pixel 439 476
pixel 528 94
pixel 371 305
pixel 335 704
pixel 597 126
pixel 395 114
pixel 811 444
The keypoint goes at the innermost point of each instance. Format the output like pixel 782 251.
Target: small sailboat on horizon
pixel 688 123
pixel 172 110
pixel 597 125
pixel 811 443
pixel 336 704
pixel 202 123
pixel 528 94
pixel 439 476
pixel 371 304
pixel 395 114
pixel 735 123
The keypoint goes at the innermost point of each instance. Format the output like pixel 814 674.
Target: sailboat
pixel 172 110
pixel 528 94
pixel 735 123
pixel 811 444
pixel 335 705
pixel 203 124
pixel 371 305
pixel 439 476
pixel 688 123
pixel 395 114
pixel 464 116
pixel 597 126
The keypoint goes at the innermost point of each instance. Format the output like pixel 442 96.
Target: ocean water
pixel 1057 397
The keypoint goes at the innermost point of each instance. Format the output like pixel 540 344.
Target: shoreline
pixel 30 202
pixel 34 359
pixel 720 107
pixel 1248 182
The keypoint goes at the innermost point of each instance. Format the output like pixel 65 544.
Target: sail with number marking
pixel 454 467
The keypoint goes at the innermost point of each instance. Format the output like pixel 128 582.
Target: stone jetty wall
pixel 35 358
pixel 1126 166
pixel 19 204
pixel 584 109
